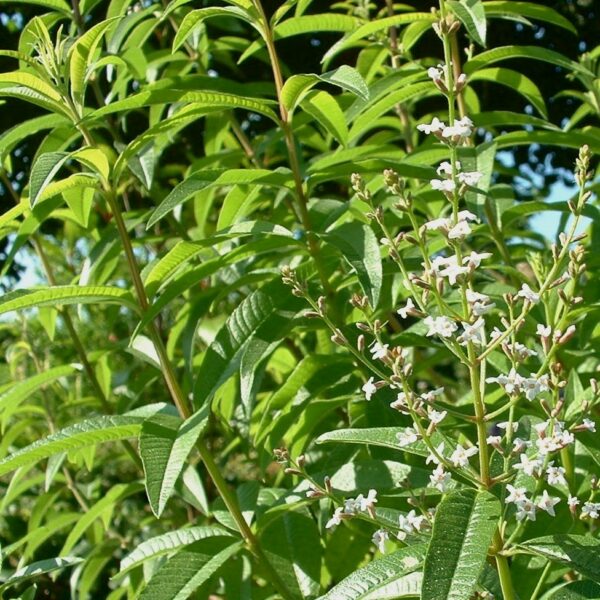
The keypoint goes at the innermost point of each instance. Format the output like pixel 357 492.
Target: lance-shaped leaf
pixel 359 246
pixel 511 10
pixel 61 295
pixel 266 316
pixel 579 552
pixel 87 433
pixel 40 568
pixel 381 574
pixel 43 171
pixel 324 108
pixel 190 568
pixel 167 543
pixel 471 14
pixel 165 443
pixel 464 525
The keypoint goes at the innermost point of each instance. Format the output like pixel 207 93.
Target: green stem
pixel 541 581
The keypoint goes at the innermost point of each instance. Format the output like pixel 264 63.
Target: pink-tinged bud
pixel 360 343
pixel 292 471
pixel 567 335
pixel 327 483
pixel 301 461
pixel 314 494
pixel 556 410
pixel 312 314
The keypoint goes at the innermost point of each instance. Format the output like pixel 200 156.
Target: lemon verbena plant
pixel 283 313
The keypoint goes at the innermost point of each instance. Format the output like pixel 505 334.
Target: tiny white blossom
pixel 445 168
pixel 504 425
pixel 400 402
pixel 520 351
pixel 566 438
pixel 436 73
pixel 369 388
pixel 379 351
pixel 471 178
pixel 409 523
pixel 520 444
pixel 431 395
pixel 408 436
pixel 467 215
pixel 449 267
pixel 474 260
pixel 555 475
pixel 368 503
pixel 442 326
pixel 433 456
pixel 405 310
pixel 443 185
pixel 439 224
pixel 493 440
pixel 529 466
pixel 436 416
pixel 459 231
pixel 547 503
pixel 528 294
pixel 440 479
pixel 434 127
pixel 516 495
pixel 336 519
pixel 573 501
pixel 379 538
pixel 591 510
pixel 589 425
pixel 460 456
pixel 473 332
pixel 533 386
pixel 461 128
pixel 511 382
pixel 544 330
pixel 526 510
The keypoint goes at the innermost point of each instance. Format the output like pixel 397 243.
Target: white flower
pixel 433 456
pixel 406 309
pixel 336 519
pixel 511 382
pixel 589 425
pixel 409 523
pixel 473 296
pixel 566 438
pixel 479 302
pixel 436 73
pixel 528 294
pixel 448 267
pixel 516 495
pixel 547 503
pixel 367 504
pixel 573 501
pixel 520 444
pixel 379 538
pixel 546 445
pixel 467 215
pixel 379 351
pixel 504 425
pixel 544 330
pixel 591 510
pixel 462 128
pixel 459 231
pixel 474 259
pixel 460 456
pixel 400 402
pixel 493 440
pixel 529 466
pixel 445 168
pixel 408 436
pixel 436 416
pixel 473 332
pixel 526 510
pixel 520 351
pixel 442 326
pixel 440 224
pixel 369 388
pixel 471 178
pixel 434 127
pixel 443 185
pixel 533 386
pixel 431 395
pixel 555 475
pixel 440 479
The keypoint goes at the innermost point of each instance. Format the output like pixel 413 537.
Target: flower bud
pixel 360 343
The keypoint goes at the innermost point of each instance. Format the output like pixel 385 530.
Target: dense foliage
pixel 280 324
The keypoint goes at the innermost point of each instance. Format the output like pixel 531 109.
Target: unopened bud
pixel 327 483
pixel 292 471
pixel 338 338
pixel 360 343
pixel 301 461
pixel 312 314
pixel 321 303
pixel 363 327
pixel 567 335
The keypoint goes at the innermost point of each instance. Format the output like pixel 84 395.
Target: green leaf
pixel 480 158
pixel 578 552
pixel 293 546
pixel 80 56
pixel 62 295
pixel 167 543
pixel 58 5
pixel 376 436
pixel 21 390
pixel 576 590
pixel 347 78
pixel 507 8
pixel 464 525
pixel 40 568
pixel 165 443
pixel 359 246
pixel 370 581
pixel 516 81
pixel 200 180
pixel 31 82
pixel 195 18
pixel 324 108
pixel 372 27
pixel 485 59
pixel 471 14
pixel 265 315
pixel 190 568
pixel 43 171
pixel 82 435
